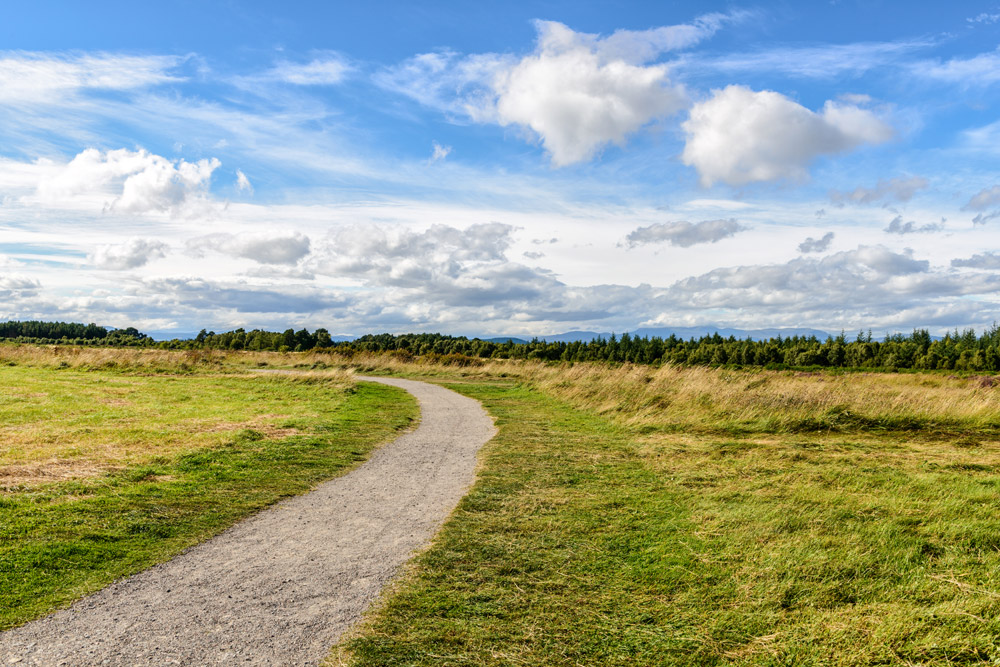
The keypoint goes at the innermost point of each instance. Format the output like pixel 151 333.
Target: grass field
pixel 623 515
pixel 781 520
pixel 104 472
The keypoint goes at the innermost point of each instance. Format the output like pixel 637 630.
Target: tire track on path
pixel 282 586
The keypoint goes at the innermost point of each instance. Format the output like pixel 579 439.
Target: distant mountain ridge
pixel 681 332
pixel 684 333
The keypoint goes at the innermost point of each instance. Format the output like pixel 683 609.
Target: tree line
pixel 963 351
pixel 71 333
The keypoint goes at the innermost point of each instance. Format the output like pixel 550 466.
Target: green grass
pixel 60 541
pixel 106 419
pixel 587 543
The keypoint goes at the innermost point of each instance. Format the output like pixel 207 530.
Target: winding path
pixel 281 587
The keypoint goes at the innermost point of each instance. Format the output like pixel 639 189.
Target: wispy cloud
pixel 325 69
pixel 27 77
pixel 899 189
pixel 980 70
pixel 825 61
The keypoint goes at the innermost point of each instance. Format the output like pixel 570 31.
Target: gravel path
pixel 281 587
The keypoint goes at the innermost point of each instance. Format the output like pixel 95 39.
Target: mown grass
pixel 62 540
pixel 591 539
pixel 65 423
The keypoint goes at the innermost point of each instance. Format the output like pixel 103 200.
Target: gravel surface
pixel 281 587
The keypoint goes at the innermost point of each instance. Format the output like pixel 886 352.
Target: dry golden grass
pixel 142 360
pixel 740 402
pixel 83 419
pixel 769 401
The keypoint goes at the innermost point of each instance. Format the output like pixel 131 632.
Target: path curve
pixel 282 586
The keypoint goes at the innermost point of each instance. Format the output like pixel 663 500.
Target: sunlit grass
pixel 629 515
pixel 106 472
pixel 60 423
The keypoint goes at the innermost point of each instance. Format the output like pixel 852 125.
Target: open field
pixel 105 472
pixel 689 517
pixel 677 516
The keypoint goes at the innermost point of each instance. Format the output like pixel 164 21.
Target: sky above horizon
pixel 501 168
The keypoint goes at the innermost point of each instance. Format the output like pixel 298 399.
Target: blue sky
pixel 500 167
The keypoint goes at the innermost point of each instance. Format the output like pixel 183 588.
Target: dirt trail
pixel 282 586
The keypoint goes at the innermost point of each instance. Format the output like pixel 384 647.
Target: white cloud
pixel 984 18
pixel 578 92
pixel 739 136
pixel 440 152
pixel 985 260
pixel 900 189
pixel 261 248
pixel 817 245
pixel 14 286
pixel 897 226
pixel 818 62
pixel 870 283
pixel 243 183
pixel 44 77
pixel 326 70
pixel 131 254
pixel 684 234
pixel 980 70
pixel 136 181
pixel 983 199
pixel 459 268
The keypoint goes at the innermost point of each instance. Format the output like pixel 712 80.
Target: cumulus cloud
pixel 897 226
pixel 741 136
pixel 38 77
pixel 983 199
pixel 900 189
pixel 577 92
pixel 136 181
pixel 817 245
pixel 442 264
pixel 869 283
pixel 684 234
pixel 14 286
pixel 131 254
pixel 261 248
pixel 985 260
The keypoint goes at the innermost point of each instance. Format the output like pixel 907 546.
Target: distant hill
pixel 681 332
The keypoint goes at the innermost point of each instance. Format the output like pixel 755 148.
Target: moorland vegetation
pixel 626 513
pixel 959 350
